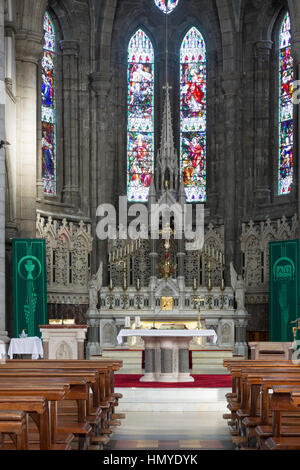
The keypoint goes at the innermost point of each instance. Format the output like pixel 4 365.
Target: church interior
pixel 150 243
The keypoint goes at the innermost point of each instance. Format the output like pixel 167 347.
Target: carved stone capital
pixel 263 47
pixel 100 83
pixel 29 47
pixel 69 48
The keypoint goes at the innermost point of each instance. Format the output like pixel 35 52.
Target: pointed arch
pixel 193 60
pixel 286 112
pixel 48 111
pixel 140 130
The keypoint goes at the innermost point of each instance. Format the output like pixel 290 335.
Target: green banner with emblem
pixel 29 286
pixel 284 289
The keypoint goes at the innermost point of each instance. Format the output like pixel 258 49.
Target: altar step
pixel 208 359
pixel 181 400
pixel 132 359
pixel 204 361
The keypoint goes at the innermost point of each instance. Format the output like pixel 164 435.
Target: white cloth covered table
pixel 33 346
pixel 166 333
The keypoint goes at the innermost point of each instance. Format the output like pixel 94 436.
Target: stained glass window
pixel 286 114
pixel 48 109
pixel 166 5
pixel 140 139
pixel 193 115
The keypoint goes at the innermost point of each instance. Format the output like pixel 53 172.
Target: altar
pixel 167 352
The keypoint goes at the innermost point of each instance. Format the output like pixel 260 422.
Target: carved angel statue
pixel 95 285
pixel 239 287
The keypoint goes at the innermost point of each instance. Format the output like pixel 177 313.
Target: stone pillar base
pixel 241 349
pixel 92 349
pixel 172 378
pixel 185 377
pixel 149 377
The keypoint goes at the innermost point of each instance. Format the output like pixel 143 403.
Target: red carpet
pixel 201 381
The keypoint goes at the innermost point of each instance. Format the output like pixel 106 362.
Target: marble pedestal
pixel 64 341
pixel 167 360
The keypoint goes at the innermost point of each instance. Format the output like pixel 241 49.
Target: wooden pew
pixel 257 424
pixel 65 411
pixel 13 424
pixel 77 391
pixel 283 438
pixel 106 368
pixel 37 409
pixel 234 398
pixel 246 388
pixel 50 392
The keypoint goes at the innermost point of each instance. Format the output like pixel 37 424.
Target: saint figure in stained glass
pixel 48 109
pixel 140 132
pixel 286 132
pixel 193 115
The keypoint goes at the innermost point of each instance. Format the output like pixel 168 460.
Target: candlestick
pixel 111 288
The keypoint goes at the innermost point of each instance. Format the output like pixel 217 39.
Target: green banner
pixel 29 286
pixel 284 289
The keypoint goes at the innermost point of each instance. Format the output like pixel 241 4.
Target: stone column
pixel 262 120
pixel 183 360
pixel 93 321
pixel 28 55
pixel 231 84
pixel 3 334
pixel 104 192
pixel 181 246
pixel 151 352
pixel 70 51
pixel 240 346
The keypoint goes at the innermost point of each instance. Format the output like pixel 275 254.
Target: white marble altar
pixel 167 352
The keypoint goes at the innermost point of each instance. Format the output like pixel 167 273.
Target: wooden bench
pixel 37 409
pixel 13 424
pixel 283 438
pixel 248 401
pixel 106 368
pixel 76 390
pixel 270 351
pixel 101 375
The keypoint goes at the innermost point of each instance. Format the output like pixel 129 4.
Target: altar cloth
pixel 168 333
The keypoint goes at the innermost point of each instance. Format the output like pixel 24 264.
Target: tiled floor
pixel 203 430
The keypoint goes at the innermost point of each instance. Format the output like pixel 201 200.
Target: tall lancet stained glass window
pixel 167 6
pixel 286 133
pixel 193 116
pixel 140 135
pixel 48 109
